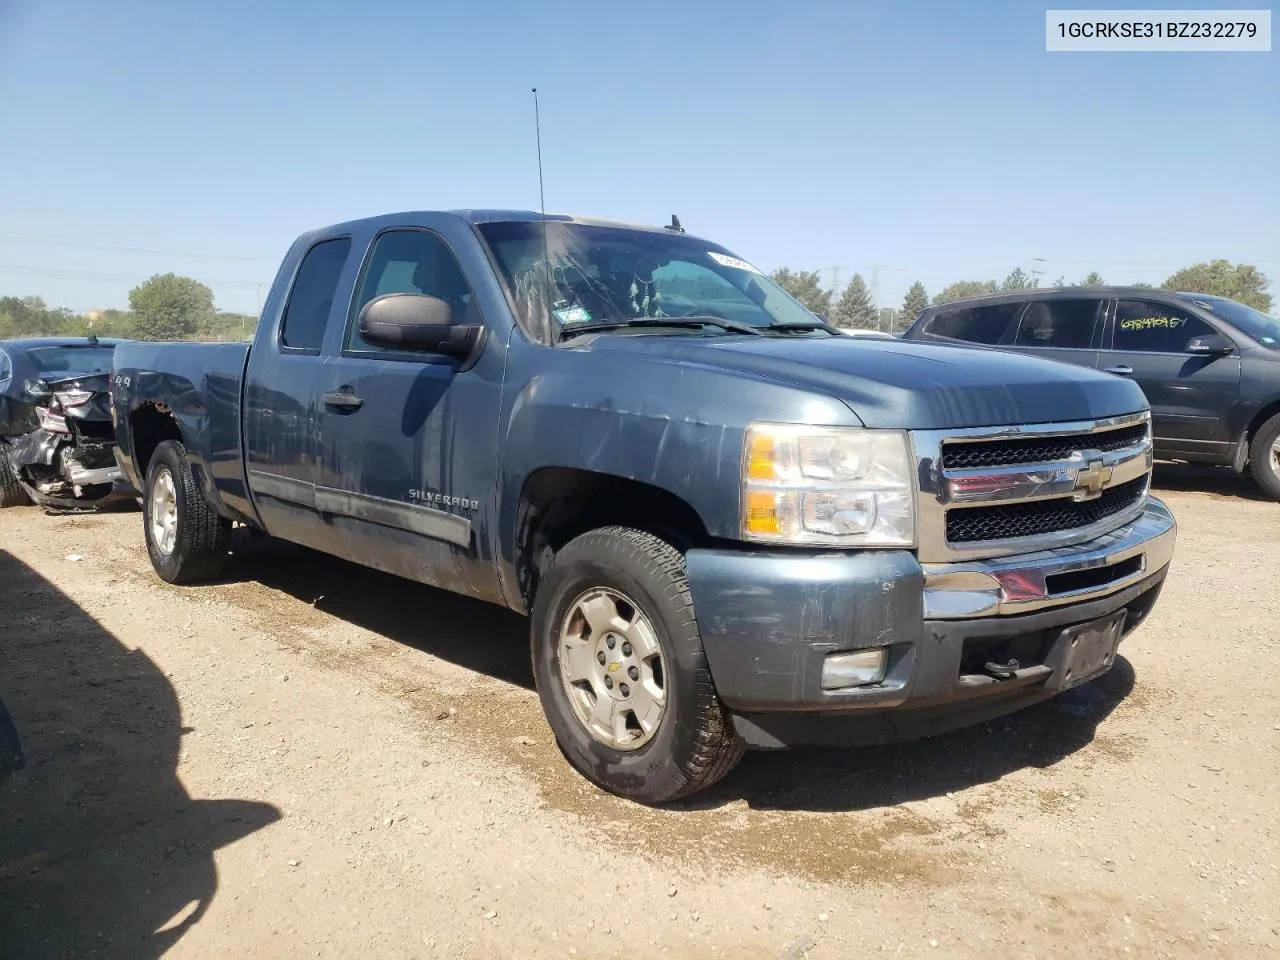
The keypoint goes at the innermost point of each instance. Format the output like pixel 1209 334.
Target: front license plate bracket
pixel 1086 651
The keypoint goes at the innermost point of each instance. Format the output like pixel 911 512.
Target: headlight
pixel 835 486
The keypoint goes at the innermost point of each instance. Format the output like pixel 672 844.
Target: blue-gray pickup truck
pixel 729 526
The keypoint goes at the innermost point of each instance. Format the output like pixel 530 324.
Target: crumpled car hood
pixel 895 384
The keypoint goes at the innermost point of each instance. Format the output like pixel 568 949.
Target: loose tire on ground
pixel 187 541
pixel 1264 457
pixel 11 492
pixel 693 744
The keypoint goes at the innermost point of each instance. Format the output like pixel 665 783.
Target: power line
pixel 93 274
pixel 112 248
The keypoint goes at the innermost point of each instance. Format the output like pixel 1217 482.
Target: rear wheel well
pixel 150 426
pixel 560 503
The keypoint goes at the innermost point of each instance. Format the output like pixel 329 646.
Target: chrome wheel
pixel 1275 457
pixel 612 670
pixel 162 511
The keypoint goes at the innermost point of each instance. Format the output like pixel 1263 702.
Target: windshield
pixel 70 359
pixel 605 274
pixel 1254 323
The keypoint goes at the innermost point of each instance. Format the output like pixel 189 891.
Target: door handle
pixel 1122 369
pixel 343 400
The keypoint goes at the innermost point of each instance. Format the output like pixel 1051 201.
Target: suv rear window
pixel 984 324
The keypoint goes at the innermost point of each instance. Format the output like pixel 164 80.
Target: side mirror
pixel 1210 346
pixel 414 321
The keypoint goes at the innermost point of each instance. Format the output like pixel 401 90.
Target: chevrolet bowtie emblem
pixel 1091 480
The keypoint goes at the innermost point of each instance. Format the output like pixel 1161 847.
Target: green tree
pixel 1142 286
pixel 854 308
pixel 1018 280
pixel 1094 279
pixel 805 286
pixel 964 289
pixel 915 301
pixel 1243 282
pixel 170 307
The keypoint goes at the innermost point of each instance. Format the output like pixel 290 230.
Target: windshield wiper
pixel 803 325
pixel 732 326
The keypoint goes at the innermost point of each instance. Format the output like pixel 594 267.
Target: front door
pixel 409 441
pixel 1191 395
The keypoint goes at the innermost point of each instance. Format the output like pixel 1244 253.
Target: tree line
pixel 854 307
pixel 165 307
pixel 173 307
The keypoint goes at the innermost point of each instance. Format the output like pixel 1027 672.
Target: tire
pixel 1264 457
pixel 198 539
pixel 692 744
pixel 11 492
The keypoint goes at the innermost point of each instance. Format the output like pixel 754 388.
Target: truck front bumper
pixel 770 619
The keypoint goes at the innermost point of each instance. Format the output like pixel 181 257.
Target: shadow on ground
pixel 487 639
pixel 102 851
pixel 871 777
pixel 470 633
pixel 1220 481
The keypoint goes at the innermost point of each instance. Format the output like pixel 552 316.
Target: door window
pixel 6 368
pixel 1148 327
pixel 1065 324
pixel 983 324
pixel 311 298
pixel 411 261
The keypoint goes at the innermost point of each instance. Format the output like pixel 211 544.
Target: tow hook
pixel 1002 671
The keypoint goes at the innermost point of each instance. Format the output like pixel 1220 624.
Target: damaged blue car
pixel 57 439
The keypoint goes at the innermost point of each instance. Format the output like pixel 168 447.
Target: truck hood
pixel 898 384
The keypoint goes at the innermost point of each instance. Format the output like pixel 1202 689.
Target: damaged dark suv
pixel 57 440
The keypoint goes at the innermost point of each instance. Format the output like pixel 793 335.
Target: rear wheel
pixel 1264 457
pixel 11 492
pixel 187 541
pixel 621 672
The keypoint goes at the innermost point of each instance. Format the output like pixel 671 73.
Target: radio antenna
pixel 542 205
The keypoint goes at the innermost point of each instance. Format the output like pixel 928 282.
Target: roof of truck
pixel 477 216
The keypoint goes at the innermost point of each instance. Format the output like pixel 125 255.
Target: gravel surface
pixel 311 759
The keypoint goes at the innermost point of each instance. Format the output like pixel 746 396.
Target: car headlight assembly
pixel 827 486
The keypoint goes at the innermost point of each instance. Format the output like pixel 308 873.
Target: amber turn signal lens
pixel 760 459
pixel 762 513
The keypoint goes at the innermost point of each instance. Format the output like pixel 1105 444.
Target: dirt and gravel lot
pixel 316 760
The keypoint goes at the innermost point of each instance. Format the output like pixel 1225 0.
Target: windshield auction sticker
pixel 1136 31
pixel 734 262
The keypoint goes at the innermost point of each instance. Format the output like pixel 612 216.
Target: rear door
pixel 410 440
pixel 1066 329
pixel 1191 396
pixel 282 421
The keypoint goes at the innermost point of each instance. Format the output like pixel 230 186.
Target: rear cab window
pixel 311 299
pixel 985 324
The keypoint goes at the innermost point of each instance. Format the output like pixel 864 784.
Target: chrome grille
pixel 1005 490
pixel 1007 521
pixel 998 453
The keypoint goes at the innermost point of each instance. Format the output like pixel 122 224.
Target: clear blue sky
pixel 939 139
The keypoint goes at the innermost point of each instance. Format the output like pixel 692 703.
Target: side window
pixel 1144 326
pixel 985 324
pixel 311 298
pixel 1058 323
pixel 411 261
pixel 6 368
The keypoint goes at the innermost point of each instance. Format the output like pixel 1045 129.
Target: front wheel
pixel 620 669
pixel 1264 457
pixel 11 492
pixel 187 541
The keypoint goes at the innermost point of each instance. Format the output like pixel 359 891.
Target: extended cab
pixel 729 525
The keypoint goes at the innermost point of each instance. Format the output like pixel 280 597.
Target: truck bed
pixel 201 386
